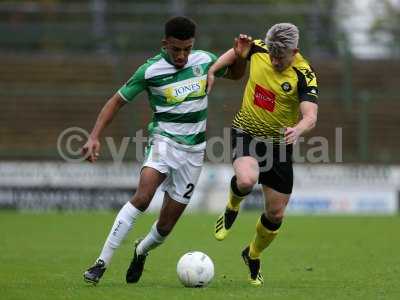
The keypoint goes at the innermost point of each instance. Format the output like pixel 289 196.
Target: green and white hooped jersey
pixel 177 97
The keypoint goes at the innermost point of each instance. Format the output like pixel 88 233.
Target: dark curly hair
pixel 181 28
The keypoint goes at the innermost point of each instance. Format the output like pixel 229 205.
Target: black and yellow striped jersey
pixel 271 100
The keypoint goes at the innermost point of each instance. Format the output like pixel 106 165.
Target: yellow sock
pixel 234 198
pixel 262 239
pixel 234 201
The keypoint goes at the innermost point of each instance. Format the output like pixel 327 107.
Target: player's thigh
pixel 150 179
pixel 275 202
pixel 153 172
pixel 182 181
pixel 245 166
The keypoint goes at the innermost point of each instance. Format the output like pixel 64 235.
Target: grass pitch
pixel 43 256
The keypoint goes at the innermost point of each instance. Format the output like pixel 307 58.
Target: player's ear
pixel 164 43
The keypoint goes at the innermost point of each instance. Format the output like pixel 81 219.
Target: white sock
pixel 152 240
pixel 122 224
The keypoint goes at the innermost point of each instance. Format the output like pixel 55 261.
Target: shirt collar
pixel 165 55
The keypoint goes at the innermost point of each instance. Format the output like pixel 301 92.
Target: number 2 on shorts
pixel 189 193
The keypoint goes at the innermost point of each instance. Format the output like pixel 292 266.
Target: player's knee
pixel 164 228
pixel 141 201
pixel 246 182
pixel 276 216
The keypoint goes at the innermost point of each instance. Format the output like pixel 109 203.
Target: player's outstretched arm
pixel 91 149
pixel 234 59
pixel 309 112
pixel 241 47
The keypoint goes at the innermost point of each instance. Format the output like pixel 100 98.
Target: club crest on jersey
pixel 197 70
pixel 286 86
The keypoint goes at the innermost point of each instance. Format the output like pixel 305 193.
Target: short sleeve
pixel 307 84
pixel 134 85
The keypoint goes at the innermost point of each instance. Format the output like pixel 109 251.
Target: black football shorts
pixel 274 160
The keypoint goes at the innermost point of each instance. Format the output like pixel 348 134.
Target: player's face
pixel 282 61
pixel 178 50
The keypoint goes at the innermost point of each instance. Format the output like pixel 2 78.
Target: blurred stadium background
pixel 61 60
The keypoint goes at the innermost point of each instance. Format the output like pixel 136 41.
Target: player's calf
pixel 226 220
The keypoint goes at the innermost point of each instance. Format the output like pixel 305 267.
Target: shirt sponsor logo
pixel 264 98
pixel 179 92
pixel 186 89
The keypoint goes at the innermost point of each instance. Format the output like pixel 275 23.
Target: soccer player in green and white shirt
pixel 175 81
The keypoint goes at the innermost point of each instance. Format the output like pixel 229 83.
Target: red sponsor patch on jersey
pixel 264 98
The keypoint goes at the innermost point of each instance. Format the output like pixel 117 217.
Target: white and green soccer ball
pixel 195 269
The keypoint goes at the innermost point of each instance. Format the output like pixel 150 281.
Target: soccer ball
pixel 195 269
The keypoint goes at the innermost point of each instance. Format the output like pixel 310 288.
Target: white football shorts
pixel 182 167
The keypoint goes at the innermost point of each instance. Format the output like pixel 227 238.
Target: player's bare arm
pixel 309 111
pixel 92 147
pixel 235 58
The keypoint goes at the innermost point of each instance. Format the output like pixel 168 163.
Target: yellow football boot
pixel 255 278
pixel 224 224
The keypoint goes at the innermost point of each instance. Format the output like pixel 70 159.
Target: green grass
pixel 43 256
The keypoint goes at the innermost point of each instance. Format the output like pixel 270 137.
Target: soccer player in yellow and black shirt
pixel 279 105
